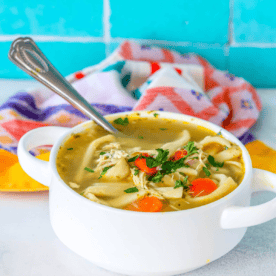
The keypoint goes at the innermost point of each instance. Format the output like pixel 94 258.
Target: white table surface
pixel 29 247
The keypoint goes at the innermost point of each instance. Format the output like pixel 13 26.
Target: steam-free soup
pixel 167 165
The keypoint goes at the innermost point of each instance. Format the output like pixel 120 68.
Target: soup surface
pixel 167 165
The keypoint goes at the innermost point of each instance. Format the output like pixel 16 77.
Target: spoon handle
pixel 27 56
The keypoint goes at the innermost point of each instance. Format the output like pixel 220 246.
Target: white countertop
pixel 29 247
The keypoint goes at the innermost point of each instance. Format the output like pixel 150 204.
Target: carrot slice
pixel 141 164
pixel 179 154
pixel 202 187
pixel 146 204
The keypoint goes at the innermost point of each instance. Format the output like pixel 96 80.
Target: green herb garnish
pixel 226 148
pixel 120 121
pixel 207 165
pixel 219 133
pixel 156 178
pixel 212 161
pixel 191 149
pixel 132 159
pixel 161 128
pixel 104 171
pixel 82 193
pixel 182 173
pixel 171 166
pixel 136 171
pixel 88 169
pixel 155 115
pixel 102 153
pixel 167 166
pixel 160 158
pixel 131 190
pixel 179 183
pixel 140 137
pixel 207 172
pixel 69 148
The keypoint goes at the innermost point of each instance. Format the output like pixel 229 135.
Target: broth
pixel 174 162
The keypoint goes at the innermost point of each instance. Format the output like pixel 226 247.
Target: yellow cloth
pixel 12 176
pixel 14 179
pixel 262 156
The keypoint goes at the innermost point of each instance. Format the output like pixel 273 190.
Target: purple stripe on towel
pixel 247 137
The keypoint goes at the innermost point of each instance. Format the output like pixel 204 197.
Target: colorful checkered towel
pixel 138 77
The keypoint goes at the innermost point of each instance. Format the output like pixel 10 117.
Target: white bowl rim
pixel 162 114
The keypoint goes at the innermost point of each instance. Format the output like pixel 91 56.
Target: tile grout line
pixel 42 38
pixel 230 23
pixel 253 45
pixel 230 34
pixel 105 39
pixel 108 39
pixel 107 26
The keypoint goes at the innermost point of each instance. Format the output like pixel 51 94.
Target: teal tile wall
pixel 172 20
pixel 254 21
pixel 44 17
pixel 256 65
pixel 66 57
pixel 234 35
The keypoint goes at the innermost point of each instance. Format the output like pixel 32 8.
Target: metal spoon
pixel 27 56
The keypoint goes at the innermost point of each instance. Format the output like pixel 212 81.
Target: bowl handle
pixel 236 216
pixel 36 168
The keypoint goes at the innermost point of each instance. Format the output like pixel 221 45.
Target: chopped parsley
pixel 163 128
pixel 167 166
pixel 155 115
pixel 191 149
pixel 132 159
pixel 217 169
pixel 160 158
pixel 207 172
pixel 212 161
pixel 140 137
pixel 69 148
pixel 219 133
pixel 104 171
pixel 136 171
pixel 179 183
pixel 102 153
pixel 207 165
pixel 171 166
pixel 226 148
pixel 131 190
pixel 156 178
pixel 88 169
pixel 120 121
pixel 82 193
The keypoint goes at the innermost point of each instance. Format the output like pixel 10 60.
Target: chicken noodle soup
pixel 167 165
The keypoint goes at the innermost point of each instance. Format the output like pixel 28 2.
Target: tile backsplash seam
pixel 230 23
pixel 106 26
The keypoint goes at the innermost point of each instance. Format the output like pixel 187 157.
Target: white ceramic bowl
pixel 137 243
